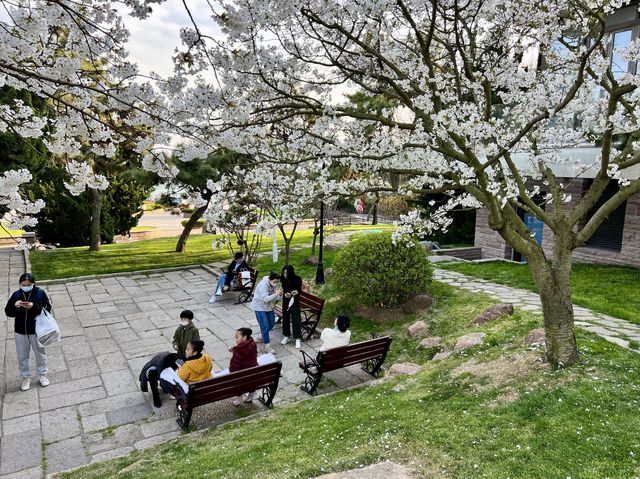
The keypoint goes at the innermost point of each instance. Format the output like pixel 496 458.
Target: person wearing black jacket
pixel 25 305
pixel 150 374
pixel 291 286
pixel 224 281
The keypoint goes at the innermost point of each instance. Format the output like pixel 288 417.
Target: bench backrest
pixel 310 301
pixel 234 384
pixel 336 358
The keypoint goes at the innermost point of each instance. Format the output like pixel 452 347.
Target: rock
pixel 328 272
pixel 494 312
pixel 403 368
pixel 416 329
pixel 416 303
pixel 536 336
pixel 439 356
pixel 432 342
pixel 469 340
pixel 329 247
pixel 312 260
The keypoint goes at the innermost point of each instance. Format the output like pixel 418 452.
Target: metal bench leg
pixel 184 414
pixel 311 383
pixel 372 366
pixel 267 396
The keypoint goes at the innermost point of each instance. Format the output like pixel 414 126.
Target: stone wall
pixel 462 253
pixel 491 243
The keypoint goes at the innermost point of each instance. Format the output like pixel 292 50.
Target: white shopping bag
pixel 47 329
pixel 245 277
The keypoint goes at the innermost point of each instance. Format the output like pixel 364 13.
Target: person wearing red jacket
pixel 245 352
pixel 245 355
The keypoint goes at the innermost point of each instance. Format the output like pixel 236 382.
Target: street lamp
pixel 320 270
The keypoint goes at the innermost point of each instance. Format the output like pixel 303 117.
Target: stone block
pixel 97 332
pixel 31 473
pixel 103 456
pixel 469 340
pixel 494 312
pixel 155 428
pixel 22 451
pixel 428 343
pixel 20 424
pixel 128 414
pixel 65 455
pixel 94 423
pixel 104 346
pixel 536 336
pixel 111 362
pixel 119 382
pixel 416 329
pixel 81 368
pixel 159 439
pixel 21 403
pixel 60 424
pixel 71 387
pixel 79 397
pixel 111 403
pixel 404 368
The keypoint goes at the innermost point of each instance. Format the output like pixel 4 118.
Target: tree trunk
pixel 96 211
pixel 553 281
pixel 182 241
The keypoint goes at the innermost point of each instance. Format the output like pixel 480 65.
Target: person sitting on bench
pixel 224 281
pixel 337 336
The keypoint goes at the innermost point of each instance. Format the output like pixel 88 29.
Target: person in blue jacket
pixel 25 305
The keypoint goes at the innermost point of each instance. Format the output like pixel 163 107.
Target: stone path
pixel 617 331
pixel 93 409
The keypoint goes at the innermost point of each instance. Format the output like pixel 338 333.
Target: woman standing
pixel 262 304
pixel 25 305
pixel 291 286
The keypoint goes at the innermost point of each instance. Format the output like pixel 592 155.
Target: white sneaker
pixel 298 344
pixel 258 339
pixel 26 384
pixel 218 292
pixel 285 340
pixel 44 382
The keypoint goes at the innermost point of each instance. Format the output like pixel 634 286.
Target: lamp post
pixel 320 270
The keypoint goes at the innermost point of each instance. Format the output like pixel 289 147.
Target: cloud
pixel 153 41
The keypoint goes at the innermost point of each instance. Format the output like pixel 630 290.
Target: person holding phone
pixel 291 287
pixel 25 305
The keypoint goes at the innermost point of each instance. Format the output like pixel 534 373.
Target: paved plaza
pixel 111 326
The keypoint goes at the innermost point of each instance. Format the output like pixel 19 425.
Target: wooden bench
pixel 245 288
pixel 265 377
pixel 310 312
pixel 372 353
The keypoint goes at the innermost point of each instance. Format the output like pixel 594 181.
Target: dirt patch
pixel 382 315
pixel 504 370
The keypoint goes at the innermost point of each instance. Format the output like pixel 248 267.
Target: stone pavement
pixel 614 330
pixel 93 409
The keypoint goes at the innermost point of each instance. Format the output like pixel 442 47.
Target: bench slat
pixel 363 346
pixel 337 363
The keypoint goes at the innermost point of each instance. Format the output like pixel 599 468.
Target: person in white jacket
pixel 264 296
pixel 337 336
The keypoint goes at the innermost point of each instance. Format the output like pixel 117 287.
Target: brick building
pixel 617 240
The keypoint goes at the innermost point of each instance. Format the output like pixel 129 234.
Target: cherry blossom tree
pixel 489 96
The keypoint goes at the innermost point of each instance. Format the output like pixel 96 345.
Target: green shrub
pixel 374 272
pixel 199 223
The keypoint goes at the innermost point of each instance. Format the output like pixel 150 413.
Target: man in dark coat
pixel 151 372
pixel 224 281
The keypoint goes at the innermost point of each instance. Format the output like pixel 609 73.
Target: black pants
pixel 152 376
pixel 291 316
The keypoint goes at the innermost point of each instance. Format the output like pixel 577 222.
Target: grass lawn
pixel 145 254
pixel 492 411
pixel 611 290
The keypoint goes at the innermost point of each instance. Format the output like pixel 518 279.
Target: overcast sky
pixel 154 40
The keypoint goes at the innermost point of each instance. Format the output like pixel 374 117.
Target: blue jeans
pixel 266 320
pixel 221 280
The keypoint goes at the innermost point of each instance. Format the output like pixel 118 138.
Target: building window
pixel 609 234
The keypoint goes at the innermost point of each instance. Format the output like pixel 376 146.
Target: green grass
pixel 143 255
pixel 611 290
pixel 498 420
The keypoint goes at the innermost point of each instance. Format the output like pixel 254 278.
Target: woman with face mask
pixel 25 305
pixel 266 293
